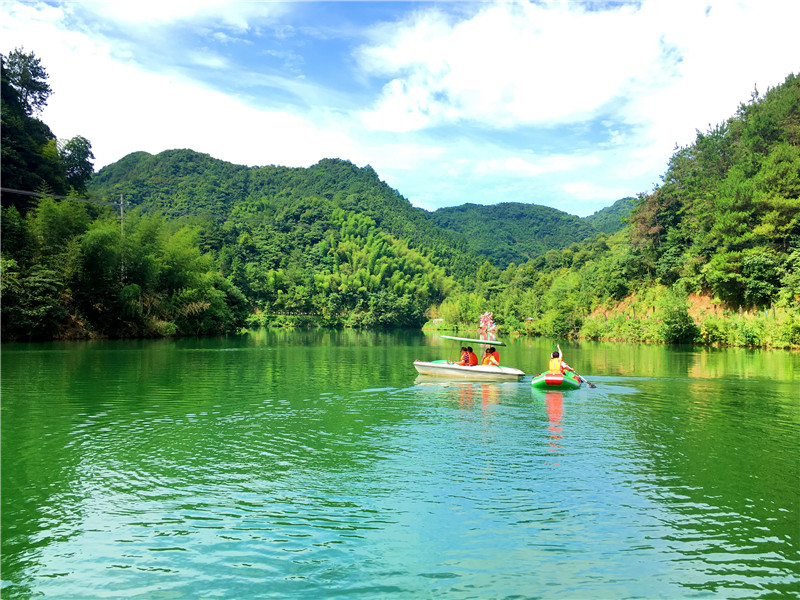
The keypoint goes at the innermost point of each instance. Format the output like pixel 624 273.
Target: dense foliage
pixel 512 232
pixel 183 182
pixel 330 244
pixel 70 273
pixel 33 158
pixel 727 217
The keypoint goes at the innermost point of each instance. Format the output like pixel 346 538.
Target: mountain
pixel 188 183
pixel 184 182
pixel 513 232
pixel 611 218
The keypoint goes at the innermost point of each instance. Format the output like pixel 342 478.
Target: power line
pixel 54 196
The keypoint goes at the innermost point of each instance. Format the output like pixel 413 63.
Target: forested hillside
pixel 711 256
pixel 228 244
pixel 331 242
pixel 33 158
pixel 183 182
pixel 511 232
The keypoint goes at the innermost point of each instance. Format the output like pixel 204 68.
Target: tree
pixel 30 155
pixel 28 77
pixel 30 307
pixel 76 155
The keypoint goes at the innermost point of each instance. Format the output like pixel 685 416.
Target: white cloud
pixel 621 83
pixel 121 109
pixel 662 69
pixel 515 165
pixel 235 15
pixel 726 49
pixel 586 191
pixel 209 60
pixel 510 64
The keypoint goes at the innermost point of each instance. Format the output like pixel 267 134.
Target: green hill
pixel 612 218
pixel 330 240
pixel 187 183
pixel 513 232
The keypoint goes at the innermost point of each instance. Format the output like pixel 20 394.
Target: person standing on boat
pixel 557 364
pixel 489 358
pixel 473 358
pixel 487 328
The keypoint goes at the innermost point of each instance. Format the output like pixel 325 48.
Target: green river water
pixel 319 465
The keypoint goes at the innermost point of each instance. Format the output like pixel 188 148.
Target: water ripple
pixel 365 487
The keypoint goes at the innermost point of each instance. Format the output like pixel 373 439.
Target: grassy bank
pixel 658 315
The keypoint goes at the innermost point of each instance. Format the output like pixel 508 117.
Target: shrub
pixel 676 327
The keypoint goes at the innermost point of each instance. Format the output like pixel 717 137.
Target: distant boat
pixel 448 369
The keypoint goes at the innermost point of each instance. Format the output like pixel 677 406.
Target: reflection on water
pixel 554 402
pixel 485 393
pixel 314 464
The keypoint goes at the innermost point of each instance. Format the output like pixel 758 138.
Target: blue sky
pixel 564 103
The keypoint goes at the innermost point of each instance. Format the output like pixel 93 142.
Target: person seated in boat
pixel 464 357
pixel 489 358
pixel 473 358
pixel 494 351
pixel 557 364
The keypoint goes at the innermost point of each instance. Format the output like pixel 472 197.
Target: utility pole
pixel 122 239
pixel 121 214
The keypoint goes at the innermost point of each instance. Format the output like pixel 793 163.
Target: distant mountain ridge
pixel 612 218
pixel 516 232
pixel 512 232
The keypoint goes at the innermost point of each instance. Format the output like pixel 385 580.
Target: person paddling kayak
pixel 557 364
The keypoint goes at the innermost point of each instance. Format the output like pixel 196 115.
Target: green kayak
pixel 556 381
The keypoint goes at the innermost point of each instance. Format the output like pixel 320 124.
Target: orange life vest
pixel 489 359
pixel 554 366
pixel 473 359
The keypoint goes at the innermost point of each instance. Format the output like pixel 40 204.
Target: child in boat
pixel 489 358
pixel 473 358
pixel 464 357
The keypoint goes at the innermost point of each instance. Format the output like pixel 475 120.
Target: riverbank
pixel 649 318
pixel 702 320
pixel 656 317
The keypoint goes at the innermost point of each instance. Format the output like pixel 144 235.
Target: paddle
pixel 586 381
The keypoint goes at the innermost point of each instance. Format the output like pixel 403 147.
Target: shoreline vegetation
pixel 718 327
pixel 182 244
